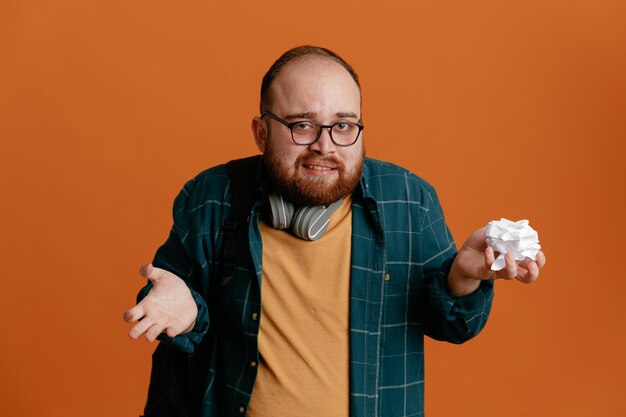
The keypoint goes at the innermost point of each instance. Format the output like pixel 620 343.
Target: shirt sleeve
pixel 456 319
pixel 179 256
pixel 448 318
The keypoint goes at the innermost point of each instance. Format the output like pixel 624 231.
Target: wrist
pixel 460 285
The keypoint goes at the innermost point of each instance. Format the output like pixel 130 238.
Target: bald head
pixel 305 53
pixel 316 88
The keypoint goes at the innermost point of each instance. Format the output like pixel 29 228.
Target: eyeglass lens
pixel 342 133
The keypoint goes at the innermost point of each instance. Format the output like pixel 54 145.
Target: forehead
pixel 314 84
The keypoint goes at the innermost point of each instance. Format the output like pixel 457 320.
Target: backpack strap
pixel 242 173
pixel 176 388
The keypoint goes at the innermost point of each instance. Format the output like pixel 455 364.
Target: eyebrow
pixel 299 116
pixel 310 115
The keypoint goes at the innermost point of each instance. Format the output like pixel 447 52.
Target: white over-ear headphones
pixel 308 222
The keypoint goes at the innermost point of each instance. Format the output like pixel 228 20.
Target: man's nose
pixel 324 145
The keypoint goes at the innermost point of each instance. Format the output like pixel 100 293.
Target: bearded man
pixel 342 266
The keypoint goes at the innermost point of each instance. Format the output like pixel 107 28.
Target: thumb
pixel 490 257
pixel 150 272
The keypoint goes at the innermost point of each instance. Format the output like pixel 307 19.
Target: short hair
pixel 295 53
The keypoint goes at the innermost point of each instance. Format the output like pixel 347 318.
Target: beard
pixel 305 190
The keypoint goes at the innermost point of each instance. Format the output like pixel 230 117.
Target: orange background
pixel 513 109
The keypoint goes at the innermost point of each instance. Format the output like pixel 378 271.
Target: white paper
pixel 516 237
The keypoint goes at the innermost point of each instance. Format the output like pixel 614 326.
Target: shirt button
pixel 241 410
pixel 387 277
pixel 252 364
pixel 255 316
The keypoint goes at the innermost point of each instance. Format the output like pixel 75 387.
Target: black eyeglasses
pixel 306 132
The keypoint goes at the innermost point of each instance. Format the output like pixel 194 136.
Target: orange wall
pixel 512 109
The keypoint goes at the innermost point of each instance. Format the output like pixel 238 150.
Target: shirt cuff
pixel 188 341
pixel 466 307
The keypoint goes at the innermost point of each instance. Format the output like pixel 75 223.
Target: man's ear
pixel 260 133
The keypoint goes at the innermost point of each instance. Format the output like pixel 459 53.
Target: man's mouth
pixel 315 167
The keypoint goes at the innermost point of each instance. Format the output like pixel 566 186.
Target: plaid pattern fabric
pixel 401 254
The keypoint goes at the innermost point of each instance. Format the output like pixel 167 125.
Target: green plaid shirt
pixel 402 251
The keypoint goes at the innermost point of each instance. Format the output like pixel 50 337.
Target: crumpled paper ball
pixel 516 237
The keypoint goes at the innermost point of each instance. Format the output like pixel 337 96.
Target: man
pixel 328 322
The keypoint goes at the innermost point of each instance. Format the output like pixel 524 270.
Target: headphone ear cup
pixel 281 211
pixel 308 223
pixel 311 222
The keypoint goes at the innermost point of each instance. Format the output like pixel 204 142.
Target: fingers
pixel 143 269
pixel 173 331
pixel 158 328
pixel 528 271
pixel 140 328
pixel 510 268
pixel 151 329
pixel 489 259
pixel 134 314
pixel 540 259
pixel 154 331
pixel 150 272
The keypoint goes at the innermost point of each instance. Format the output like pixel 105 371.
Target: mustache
pixel 312 157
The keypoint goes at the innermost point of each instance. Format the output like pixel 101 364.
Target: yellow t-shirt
pixel 304 329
